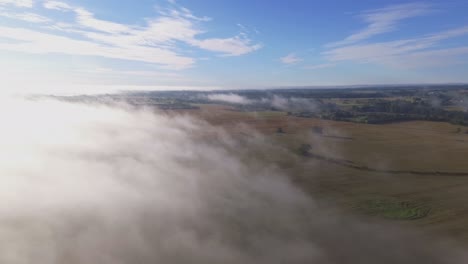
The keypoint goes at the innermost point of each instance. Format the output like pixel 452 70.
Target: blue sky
pixel 183 44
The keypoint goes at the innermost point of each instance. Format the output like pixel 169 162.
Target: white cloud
pixel 291 103
pixel 18 3
pixel 235 46
pixel 156 42
pixel 44 43
pixel 291 58
pixel 137 187
pixel 57 5
pixel 275 101
pixel 166 30
pixel 384 20
pixel 320 66
pixel 428 58
pixel 26 16
pixel 89 183
pixel 229 98
pixel 416 52
pixel 87 19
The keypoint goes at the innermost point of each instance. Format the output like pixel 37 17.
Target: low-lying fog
pixel 115 185
pixel 273 101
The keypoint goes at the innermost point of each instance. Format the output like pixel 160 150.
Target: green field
pixel 394 209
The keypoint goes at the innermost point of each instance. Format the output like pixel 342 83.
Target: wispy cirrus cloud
pixel 18 3
pixel 234 46
pixel 87 19
pixel 384 20
pixel 57 5
pixel 156 42
pixel 418 52
pixel 25 16
pixel 406 53
pixel 320 66
pixel 30 41
pixel 290 59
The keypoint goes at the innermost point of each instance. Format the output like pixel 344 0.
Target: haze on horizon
pixel 89 46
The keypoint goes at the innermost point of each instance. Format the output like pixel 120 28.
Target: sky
pixel 242 44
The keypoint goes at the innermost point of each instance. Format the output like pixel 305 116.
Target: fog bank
pixel 111 184
pixel 274 101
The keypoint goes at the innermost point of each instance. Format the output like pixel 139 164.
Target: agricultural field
pixel 413 173
pixel 386 154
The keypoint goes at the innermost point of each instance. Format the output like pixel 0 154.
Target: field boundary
pixel 351 164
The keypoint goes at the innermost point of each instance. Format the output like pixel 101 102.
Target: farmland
pixel 394 154
pixel 416 173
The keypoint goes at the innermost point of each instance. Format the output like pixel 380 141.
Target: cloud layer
pixel 291 58
pixel 274 102
pixel 229 98
pixel 425 51
pixel 110 184
pixel 157 41
pixel 384 20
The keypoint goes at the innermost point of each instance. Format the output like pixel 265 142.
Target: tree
pixel 317 130
pixel 304 149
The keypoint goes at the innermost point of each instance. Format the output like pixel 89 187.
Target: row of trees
pixel 382 111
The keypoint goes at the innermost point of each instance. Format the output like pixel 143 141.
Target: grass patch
pixel 394 209
pixel 267 114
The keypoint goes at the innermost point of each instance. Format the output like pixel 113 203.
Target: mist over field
pixel 273 101
pixel 233 132
pixel 229 98
pixel 83 183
